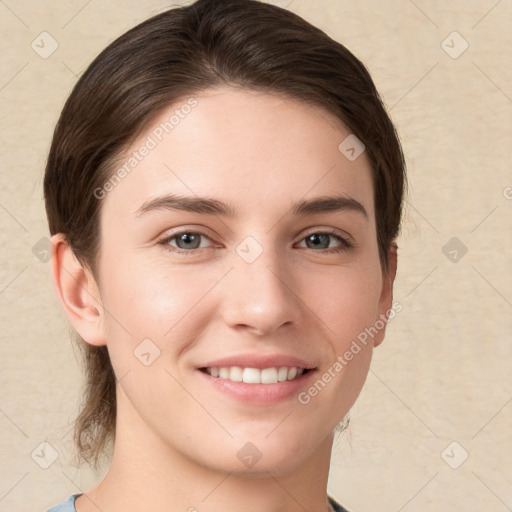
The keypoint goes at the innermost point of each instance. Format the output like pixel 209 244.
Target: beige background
pixel 443 373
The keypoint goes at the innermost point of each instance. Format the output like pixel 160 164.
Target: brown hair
pixel 174 55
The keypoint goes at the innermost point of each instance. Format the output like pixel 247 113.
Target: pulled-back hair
pixel 161 62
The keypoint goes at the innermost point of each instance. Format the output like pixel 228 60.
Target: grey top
pixel 66 506
pixel 69 505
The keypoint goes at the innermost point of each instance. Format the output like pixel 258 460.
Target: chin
pixel 277 465
pixel 255 456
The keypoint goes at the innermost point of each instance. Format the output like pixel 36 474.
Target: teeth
pixel 269 376
pixel 255 375
pixel 282 374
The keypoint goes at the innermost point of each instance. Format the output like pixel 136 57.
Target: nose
pixel 260 295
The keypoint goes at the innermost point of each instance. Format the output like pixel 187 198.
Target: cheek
pixel 152 299
pixel 347 304
pixel 346 301
pixel 152 315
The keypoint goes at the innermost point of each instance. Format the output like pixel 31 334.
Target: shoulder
pixel 66 506
pixel 69 505
pixel 335 505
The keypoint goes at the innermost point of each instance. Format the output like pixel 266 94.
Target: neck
pixel 148 474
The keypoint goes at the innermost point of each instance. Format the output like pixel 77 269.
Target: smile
pixel 271 375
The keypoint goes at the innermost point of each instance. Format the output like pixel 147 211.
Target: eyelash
pixel 345 244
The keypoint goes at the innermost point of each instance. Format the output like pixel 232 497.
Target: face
pixel 257 284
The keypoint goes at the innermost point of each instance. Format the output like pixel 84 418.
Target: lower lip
pixel 261 394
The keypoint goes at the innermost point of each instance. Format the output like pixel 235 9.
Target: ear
pixel 386 296
pixel 77 291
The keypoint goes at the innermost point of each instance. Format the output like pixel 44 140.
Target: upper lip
pixel 259 361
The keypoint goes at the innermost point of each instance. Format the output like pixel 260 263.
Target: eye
pixel 189 242
pixel 320 239
pixel 186 241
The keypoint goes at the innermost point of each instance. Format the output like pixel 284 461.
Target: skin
pixel 177 437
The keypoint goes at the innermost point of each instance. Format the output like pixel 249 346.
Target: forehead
pixel 249 148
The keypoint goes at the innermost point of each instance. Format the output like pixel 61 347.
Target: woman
pixel 219 372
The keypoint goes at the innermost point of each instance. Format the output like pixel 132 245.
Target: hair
pixel 174 55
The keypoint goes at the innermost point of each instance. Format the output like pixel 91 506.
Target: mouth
pixel 248 375
pixel 258 386
pixel 258 379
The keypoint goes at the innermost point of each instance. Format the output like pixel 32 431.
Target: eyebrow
pixel 207 205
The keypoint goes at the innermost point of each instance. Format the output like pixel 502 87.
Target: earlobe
pixel 386 297
pixel 77 291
